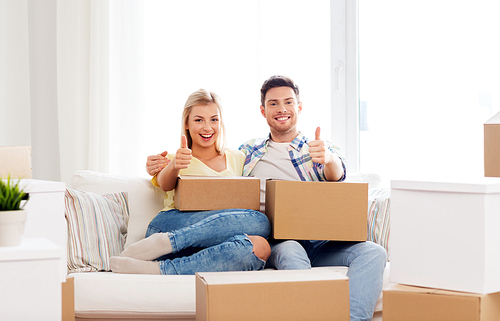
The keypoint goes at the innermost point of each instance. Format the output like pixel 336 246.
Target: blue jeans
pixel 366 262
pixel 210 241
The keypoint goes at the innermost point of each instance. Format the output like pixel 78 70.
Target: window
pixel 231 47
pixel 429 79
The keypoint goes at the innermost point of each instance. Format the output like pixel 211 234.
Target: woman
pixel 190 242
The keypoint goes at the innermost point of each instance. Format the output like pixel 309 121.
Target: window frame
pixel 345 79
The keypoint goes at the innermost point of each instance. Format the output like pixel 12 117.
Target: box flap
pixel 477 185
pixel 196 177
pixel 418 289
pixel 270 276
pixel 493 120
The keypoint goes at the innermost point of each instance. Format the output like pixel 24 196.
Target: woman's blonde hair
pixel 204 97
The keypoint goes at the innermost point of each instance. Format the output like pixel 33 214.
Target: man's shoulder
pixel 252 144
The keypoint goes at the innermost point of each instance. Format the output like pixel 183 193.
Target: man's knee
pixel 374 252
pixel 261 247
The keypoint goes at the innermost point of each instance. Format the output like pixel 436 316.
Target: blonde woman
pixel 188 242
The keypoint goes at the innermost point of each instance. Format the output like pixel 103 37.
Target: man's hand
pixel 317 150
pixel 183 156
pixel 320 154
pixel 156 163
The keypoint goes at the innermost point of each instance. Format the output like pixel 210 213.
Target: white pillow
pixel 372 179
pixel 97 229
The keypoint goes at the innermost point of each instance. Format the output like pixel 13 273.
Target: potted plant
pixel 12 215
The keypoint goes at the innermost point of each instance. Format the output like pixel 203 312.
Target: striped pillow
pixel 379 217
pixel 97 229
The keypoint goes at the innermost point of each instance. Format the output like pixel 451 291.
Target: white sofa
pixel 107 295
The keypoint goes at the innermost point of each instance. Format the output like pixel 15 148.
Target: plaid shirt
pixel 308 170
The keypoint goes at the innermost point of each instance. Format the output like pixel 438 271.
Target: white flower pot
pixel 12 227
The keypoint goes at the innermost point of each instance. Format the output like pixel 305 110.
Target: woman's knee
pixel 261 247
pixel 261 224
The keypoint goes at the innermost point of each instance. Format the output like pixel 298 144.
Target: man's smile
pixel 282 118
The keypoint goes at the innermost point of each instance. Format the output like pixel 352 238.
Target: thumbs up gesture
pixel 317 150
pixel 183 156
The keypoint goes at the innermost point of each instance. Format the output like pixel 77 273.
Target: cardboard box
pixel 301 210
pixel 15 161
pixel 302 295
pixel 492 147
pixel 444 234
pixel 68 300
pixel 203 193
pixel 407 303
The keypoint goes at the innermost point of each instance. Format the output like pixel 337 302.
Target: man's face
pixel 281 110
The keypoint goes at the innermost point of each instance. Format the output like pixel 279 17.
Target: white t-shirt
pixel 275 164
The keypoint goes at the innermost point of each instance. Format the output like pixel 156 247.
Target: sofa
pixel 120 218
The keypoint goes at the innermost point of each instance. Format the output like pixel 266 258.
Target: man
pixel 288 154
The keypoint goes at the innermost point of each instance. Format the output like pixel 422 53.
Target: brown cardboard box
pixel 15 161
pixel 203 193
pixel 68 300
pixel 492 147
pixel 302 295
pixel 317 210
pixel 409 303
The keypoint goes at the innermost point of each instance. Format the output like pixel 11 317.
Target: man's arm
pixel 155 163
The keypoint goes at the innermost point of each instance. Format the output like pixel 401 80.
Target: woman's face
pixel 204 124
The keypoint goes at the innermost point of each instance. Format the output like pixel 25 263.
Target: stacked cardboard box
pixel 297 210
pixel 444 241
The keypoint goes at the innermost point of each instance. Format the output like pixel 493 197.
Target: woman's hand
pixel 167 178
pixel 183 156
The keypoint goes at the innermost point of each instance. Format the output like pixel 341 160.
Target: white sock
pixel 150 248
pixel 129 265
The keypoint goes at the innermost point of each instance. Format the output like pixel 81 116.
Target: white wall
pixel 28 78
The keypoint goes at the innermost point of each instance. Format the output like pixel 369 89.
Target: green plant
pixel 11 195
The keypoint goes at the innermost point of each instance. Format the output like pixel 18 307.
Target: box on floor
pixel 410 303
pixel 203 193
pixel 317 294
pixel 436 224
pixel 492 147
pixel 302 210
pixel 68 300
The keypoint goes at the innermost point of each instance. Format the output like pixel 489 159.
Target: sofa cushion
pixel 97 228
pixel 107 295
pixel 145 200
